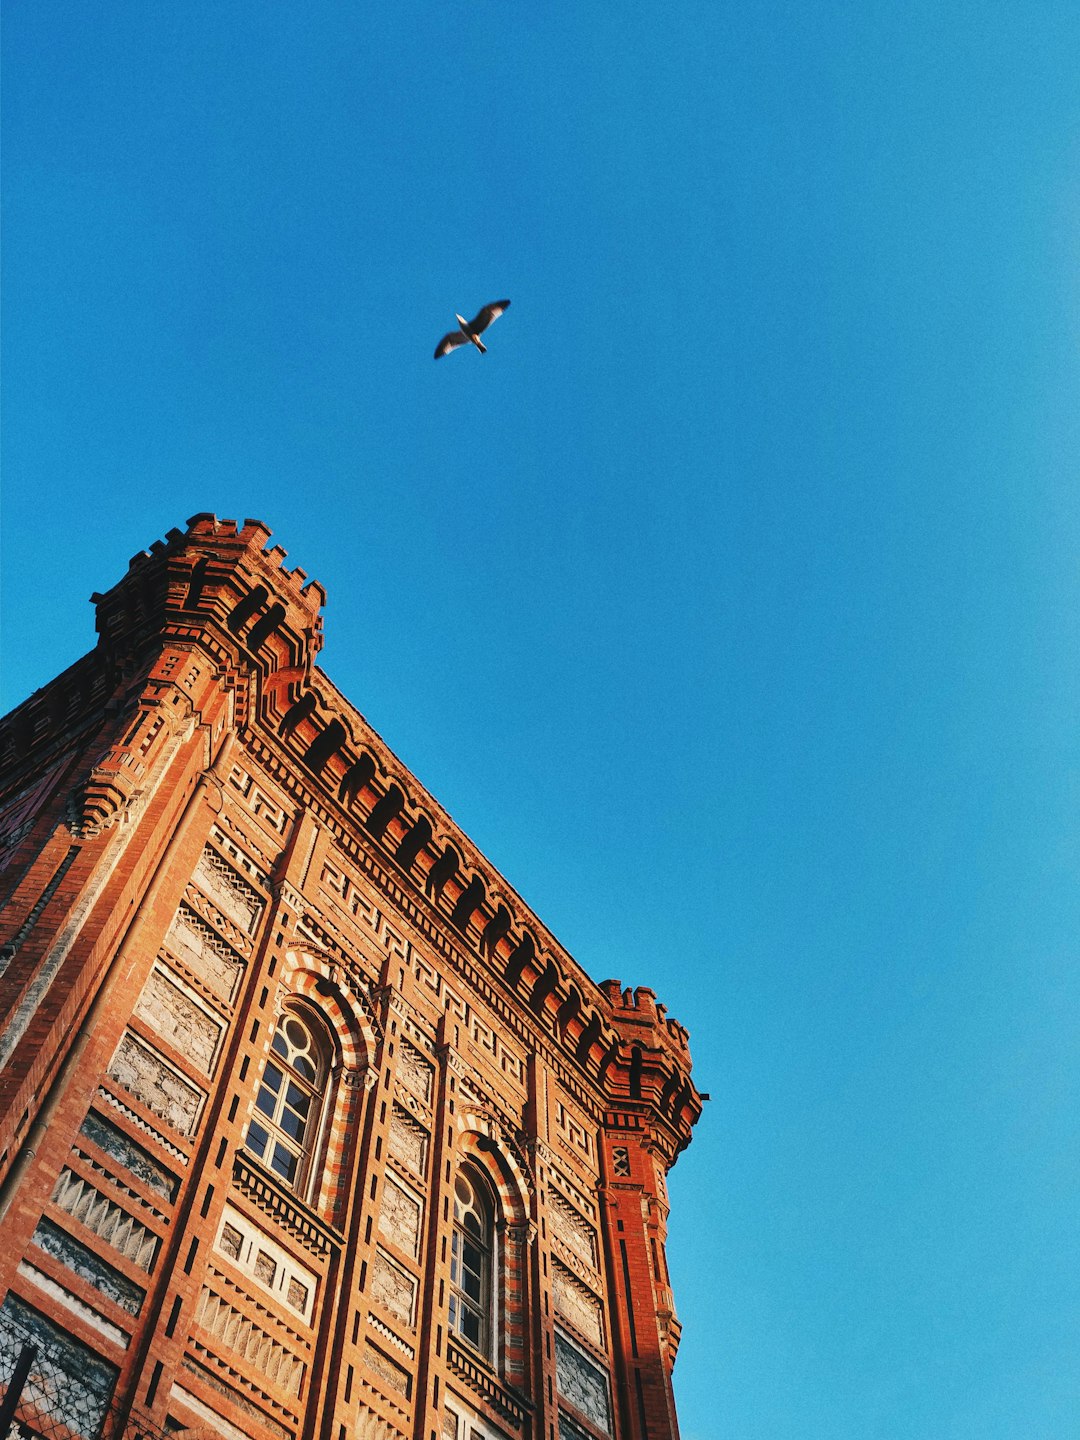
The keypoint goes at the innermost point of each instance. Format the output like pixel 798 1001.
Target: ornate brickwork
pixel 308 1126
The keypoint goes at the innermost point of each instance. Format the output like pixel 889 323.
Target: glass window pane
pixel 297 1034
pixel 297 1098
pixel 272 1077
pixel 257 1138
pixel 284 1162
pixel 293 1125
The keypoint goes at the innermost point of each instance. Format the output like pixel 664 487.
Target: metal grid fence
pixel 54 1388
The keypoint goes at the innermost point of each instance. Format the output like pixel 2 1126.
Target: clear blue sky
pixel 729 602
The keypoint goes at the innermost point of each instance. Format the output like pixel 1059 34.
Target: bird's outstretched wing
pixel 487 315
pixel 450 342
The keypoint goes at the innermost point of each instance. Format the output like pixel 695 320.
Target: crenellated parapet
pixel 651 1074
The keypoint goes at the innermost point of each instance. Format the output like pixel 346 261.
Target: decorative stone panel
pixel 234 897
pixel 88 1266
pixel 75 1384
pixel 149 1077
pixel 414 1072
pixel 169 1008
pixel 573 1230
pixel 213 1418
pixel 272 1267
pixel 393 1288
pixel 400 1218
pixel 582 1382
pixel 108 1220
pixel 129 1156
pixel 370 1426
pixel 577 1304
pixel 389 1371
pixel 237 1333
pixel 205 953
pixel 408 1141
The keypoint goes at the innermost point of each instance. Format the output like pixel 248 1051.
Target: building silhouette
pixel 308 1126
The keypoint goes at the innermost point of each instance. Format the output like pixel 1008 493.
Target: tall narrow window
pixel 472 1263
pixel 285 1127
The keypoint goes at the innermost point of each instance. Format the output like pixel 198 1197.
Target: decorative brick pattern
pixel 230 844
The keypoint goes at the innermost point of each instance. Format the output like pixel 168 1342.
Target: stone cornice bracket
pixel 392 1001
pixel 454 1062
pixel 364 1079
pixel 522 1236
pixel 541 1150
pixel 288 896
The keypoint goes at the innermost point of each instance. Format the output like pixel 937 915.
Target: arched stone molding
pixel 485 1143
pixel 320 982
pixel 325 983
pixel 483 1148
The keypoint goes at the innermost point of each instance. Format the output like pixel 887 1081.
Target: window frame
pixel 286 1129
pixel 482 1238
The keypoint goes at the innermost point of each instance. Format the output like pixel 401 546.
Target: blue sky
pixel 729 602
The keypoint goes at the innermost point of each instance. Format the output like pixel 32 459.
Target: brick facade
pixel 308 1126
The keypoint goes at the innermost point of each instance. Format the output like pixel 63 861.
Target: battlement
pixel 639 1008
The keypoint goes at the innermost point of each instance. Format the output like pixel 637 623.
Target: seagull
pixel 471 329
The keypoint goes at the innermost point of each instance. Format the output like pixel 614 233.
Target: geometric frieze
pixel 108 1220
pixel 577 1304
pixel 236 1332
pixel 272 1267
pixel 234 897
pixel 486 1038
pixel 400 1218
pixel 393 1288
pixel 151 1079
pixel 408 1141
pixel 168 1007
pixel 414 1072
pixel 573 1131
pixel 258 803
pixel 582 1382
pixel 572 1229
pixel 196 945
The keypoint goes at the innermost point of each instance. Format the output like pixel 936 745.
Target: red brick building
pixel 308 1126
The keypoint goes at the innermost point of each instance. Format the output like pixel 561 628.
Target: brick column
pixel 645 1403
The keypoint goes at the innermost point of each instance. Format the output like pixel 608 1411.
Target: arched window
pixel 285 1127
pixel 472 1263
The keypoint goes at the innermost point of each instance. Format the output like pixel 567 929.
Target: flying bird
pixel 471 329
